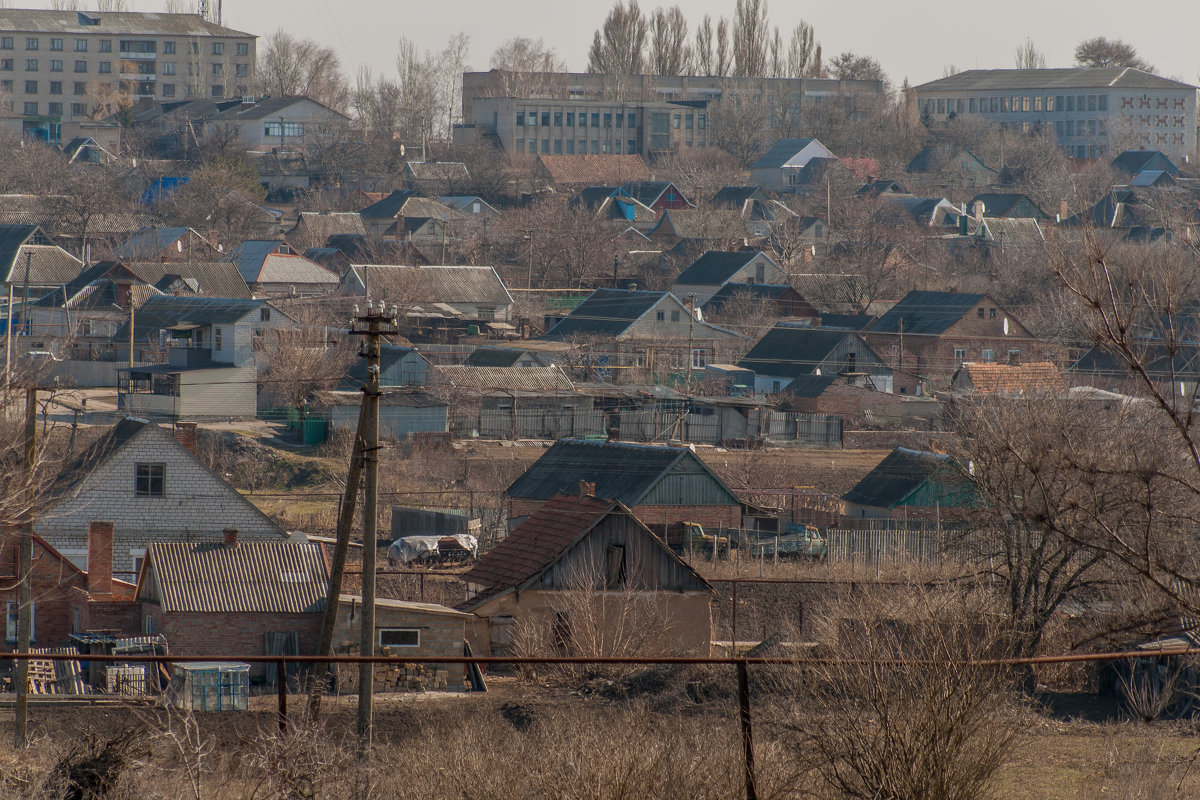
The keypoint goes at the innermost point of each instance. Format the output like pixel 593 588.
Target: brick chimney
pixel 185 434
pixel 587 489
pixel 230 537
pixel 100 558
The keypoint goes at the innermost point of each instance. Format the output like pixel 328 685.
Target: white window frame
pixel 11 621
pixel 699 357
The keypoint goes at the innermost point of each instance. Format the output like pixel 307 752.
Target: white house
pixel 784 166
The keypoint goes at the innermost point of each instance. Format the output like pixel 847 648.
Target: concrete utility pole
pixel 374 325
pixel 24 572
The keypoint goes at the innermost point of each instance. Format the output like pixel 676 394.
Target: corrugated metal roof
pixel 982 80
pixel 251 577
pixel 436 284
pixel 715 267
pixel 606 311
pixel 162 313
pixel 926 312
pixel 214 278
pixel 504 378
pixel 287 268
pixel 897 477
pixel 790 350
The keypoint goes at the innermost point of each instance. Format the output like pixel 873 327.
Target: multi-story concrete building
pixel 63 67
pixel 650 115
pixel 1093 112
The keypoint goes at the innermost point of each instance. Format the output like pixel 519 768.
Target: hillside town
pixel 534 424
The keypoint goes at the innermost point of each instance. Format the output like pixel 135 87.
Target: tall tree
pixel 1101 52
pixel 705 55
pixel 751 39
pixel 451 64
pixel 619 47
pixel 777 61
pixel 724 52
pixel 1029 57
pixel 289 67
pixel 527 66
pixel 851 67
pixel 804 53
pixel 670 53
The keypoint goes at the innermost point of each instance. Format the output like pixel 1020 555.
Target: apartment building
pixel 1093 112
pixel 61 67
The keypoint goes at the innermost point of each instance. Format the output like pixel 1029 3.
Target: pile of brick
pixel 406 677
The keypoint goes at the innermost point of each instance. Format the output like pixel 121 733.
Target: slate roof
pixel 736 196
pixel 149 242
pixel 1068 78
pixel 789 351
pixel 389 207
pixel 648 192
pixel 895 478
pixel 579 170
pixel 781 152
pixel 1000 204
pixel 809 385
pixel 270 107
pixel 436 170
pixel 320 225
pixel 942 157
pixel 1014 379
pixel 882 186
pixel 716 267
pixel 213 278
pixel 484 379
pixel 49 265
pixel 100 294
pixel 435 284
pixel 1159 361
pixel 621 470
pixel 606 312
pixel 250 577
pixel 258 262
pixel 495 357
pixel 924 210
pixel 926 312
pixel 462 204
pixel 759 291
pixel 1019 230
pixel 163 313
pixel 96 454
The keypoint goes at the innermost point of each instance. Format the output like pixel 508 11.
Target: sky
pixel 907 39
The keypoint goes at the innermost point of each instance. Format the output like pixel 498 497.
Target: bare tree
pixel 670 53
pixel 1029 57
pixel 619 47
pixel 738 123
pixel 704 52
pixel 851 67
pixel 1101 52
pixel 222 197
pixel 724 63
pixel 751 40
pixel 290 67
pixel 527 66
pixel 451 63
pixel 804 53
pixel 295 363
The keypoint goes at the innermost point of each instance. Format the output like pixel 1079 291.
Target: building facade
pixel 61 67
pixel 1093 112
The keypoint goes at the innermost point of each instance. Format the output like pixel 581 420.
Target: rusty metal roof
pixel 250 577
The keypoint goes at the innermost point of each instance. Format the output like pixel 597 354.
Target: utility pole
pixel 8 332
pixel 374 325
pixel 24 573
pixel 689 359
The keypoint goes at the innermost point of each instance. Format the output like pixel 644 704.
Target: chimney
pixel 230 537
pixel 100 558
pixel 977 209
pixel 185 434
pixel 587 489
pixel 633 287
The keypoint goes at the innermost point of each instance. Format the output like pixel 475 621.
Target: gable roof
pixel 462 203
pixel 1001 204
pixel 926 312
pixel 809 385
pixel 270 107
pixel 759 291
pixel 530 379
pixel 1013 379
pixel 736 196
pixel 1067 78
pixel 648 192
pixel 939 158
pixel 436 170
pixel 846 322
pixel 923 210
pixel 212 278
pixel 607 312
pixel 546 536
pixel 495 356
pixel 620 470
pixel 784 151
pixel 789 351
pixel 434 284
pixel 87 460
pixel 1132 162
pixel 166 312
pixel 895 478
pixel 389 207
pixel 320 225
pixel 258 261
pixel 715 267
pixel 249 577
pixel 596 169
pixel 48 264
pixel 148 242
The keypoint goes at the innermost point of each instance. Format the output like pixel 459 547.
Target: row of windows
pixel 571 118
pixel 105 67
pixel 127 46
pixel 54 109
pixel 570 147
pixel 1019 104
pixel 986 354
pixel 284 129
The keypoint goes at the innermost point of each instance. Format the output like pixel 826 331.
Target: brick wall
pixel 56 589
pixel 203 634
pixel 441 635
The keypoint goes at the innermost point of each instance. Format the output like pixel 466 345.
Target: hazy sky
pixel 913 40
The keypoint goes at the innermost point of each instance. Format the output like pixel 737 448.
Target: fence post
pixel 747 732
pixel 281 679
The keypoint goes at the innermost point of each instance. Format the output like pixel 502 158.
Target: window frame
pixel 379 632
pixel 154 473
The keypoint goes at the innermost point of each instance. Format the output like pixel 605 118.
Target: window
pixel 31 87
pixel 31 65
pixel 218 48
pixel 6 43
pixel 989 354
pixel 81 66
pixel 106 45
pixel 698 358
pixel 79 109
pixel 675 121
pixel 54 109
pixel 168 90
pixel 7 86
pixel 582 119
pixel 991 313
pixel 521 145
pixel 941 106
pixel 687 122
pixel 150 480
pixel 194 48
pixel 137 555
pixel 169 48
pixel 56 65
pixel 993 104
pixel 596 120
pixel 55 88
pixel 614 566
pixel 594 147
pixel 216 338
pixel 971 106
pixel 633 120
pixel 31 44
pixel 105 67
pixel 283 128
pixel 661 316
pixel 218 69
pixel 56 44
pixel 6 65
pixel 558 119
pixel 570 119
pixel 632 146
pixel 1014 355
pixel 1037 103
pixel 979 313
pixel 520 119
pixel 1025 104
pixel 1091 101
pixel 674 316
pixel 546 118
pixel 80 87
pixel 959 354
pixel 264 314
pixel 168 68
pixel 12 620
pixel 608 120
pixel 399 637
pixel 242 49
pixel 30 109
pixel 218 91
pixel 1102 102
pixel 620 120
pixel 558 147
pixel 570 147
pixel 533 145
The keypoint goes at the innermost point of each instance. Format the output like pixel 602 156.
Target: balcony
pixel 138 77
pixel 127 56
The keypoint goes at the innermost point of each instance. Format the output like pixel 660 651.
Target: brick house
pixel 1009 380
pixel 909 484
pixel 584 575
pixel 152 488
pixel 233 598
pixel 662 486
pixel 927 336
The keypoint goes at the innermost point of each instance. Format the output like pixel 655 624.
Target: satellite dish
pixel 1006 326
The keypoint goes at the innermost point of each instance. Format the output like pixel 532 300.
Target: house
pixel 946 166
pixel 636 331
pixel 282 173
pixel 387 218
pixel 1035 378
pixel 234 598
pixel 758 212
pixel 151 487
pixel 881 187
pixel 1175 369
pixel 398 367
pixel 472 206
pixel 86 316
pixel 783 167
pixel 31 263
pixel 330 258
pixel 404 628
pixel 910 484
pixel 789 351
pixel 658 196
pixel 583 575
pixel 854 403
pixel 925 211
pixel 613 203
pixel 662 486
pixel 433 178
pixel 165 244
pixel 402 412
pixel 469 293
pixel 507 379
pixel 705 276
pixel 1134 162
pixel 927 335
pixel 86 150
pixel 782 299
pixel 271 267
pixel 287 123
pixel 998 205
pixel 580 170
pixel 508 357
pixel 313 228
